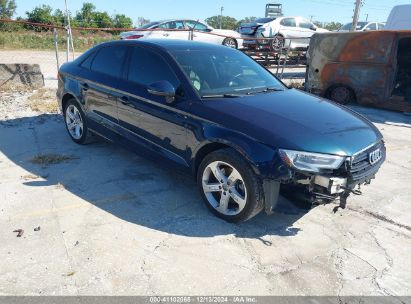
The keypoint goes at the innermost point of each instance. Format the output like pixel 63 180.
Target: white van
pixel 399 18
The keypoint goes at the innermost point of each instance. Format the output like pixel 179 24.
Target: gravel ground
pixel 115 223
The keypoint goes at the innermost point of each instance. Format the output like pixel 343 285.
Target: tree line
pixel 89 16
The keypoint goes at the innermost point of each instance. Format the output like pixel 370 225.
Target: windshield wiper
pixel 222 96
pixel 266 90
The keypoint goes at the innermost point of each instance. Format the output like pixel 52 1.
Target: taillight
pixel 134 37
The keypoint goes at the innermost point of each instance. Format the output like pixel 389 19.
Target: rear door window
pixel 305 24
pixel 288 22
pixel 109 60
pixel 147 67
pixel 196 25
pixel 172 25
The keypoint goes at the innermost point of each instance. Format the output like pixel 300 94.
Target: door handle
pixel 166 35
pixel 125 100
pixel 85 86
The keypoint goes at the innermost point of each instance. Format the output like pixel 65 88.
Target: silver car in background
pixel 180 29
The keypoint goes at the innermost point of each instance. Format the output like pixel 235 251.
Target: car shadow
pixel 138 188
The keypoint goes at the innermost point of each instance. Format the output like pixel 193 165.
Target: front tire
pixel 75 122
pixel 229 186
pixel 277 43
pixel 231 43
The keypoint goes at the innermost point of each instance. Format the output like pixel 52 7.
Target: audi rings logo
pixel 375 156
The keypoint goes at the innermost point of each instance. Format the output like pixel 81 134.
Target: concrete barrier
pixel 21 74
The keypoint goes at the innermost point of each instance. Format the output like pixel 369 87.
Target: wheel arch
pixel 336 85
pixel 68 96
pixel 259 156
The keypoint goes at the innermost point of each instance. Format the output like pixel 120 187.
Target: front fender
pixel 264 160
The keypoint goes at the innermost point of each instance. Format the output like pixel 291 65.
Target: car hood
pixel 295 120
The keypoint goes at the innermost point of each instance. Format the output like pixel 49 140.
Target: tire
pixel 241 190
pixel 231 43
pixel 76 124
pixel 277 43
pixel 341 94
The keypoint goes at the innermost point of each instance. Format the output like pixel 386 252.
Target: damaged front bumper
pixel 331 186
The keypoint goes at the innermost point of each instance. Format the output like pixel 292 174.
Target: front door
pixel 145 118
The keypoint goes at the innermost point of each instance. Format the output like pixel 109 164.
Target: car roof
pixel 167 44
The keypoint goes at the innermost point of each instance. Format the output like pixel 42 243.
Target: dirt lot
pixel 114 223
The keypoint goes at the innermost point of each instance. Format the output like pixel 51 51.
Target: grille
pixel 360 168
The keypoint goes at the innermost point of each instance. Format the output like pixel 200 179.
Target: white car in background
pixel 363 26
pixel 285 31
pixel 180 29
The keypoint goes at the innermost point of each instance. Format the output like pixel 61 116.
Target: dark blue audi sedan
pixel 214 110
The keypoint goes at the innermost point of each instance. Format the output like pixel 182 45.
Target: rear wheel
pixel 76 124
pixel 341 94
pixel 230 42
pixel 229 186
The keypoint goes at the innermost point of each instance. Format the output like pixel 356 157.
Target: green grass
pixel 45 41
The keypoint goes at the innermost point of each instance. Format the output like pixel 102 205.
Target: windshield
pixel 148 25
pixel 348 26
pixel 223 71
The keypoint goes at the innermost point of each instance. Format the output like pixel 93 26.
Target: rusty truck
pixel 370 68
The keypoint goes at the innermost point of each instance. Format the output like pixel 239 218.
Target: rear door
pixel 305 30
pixel 99 92
pixel 173 30
pixel 145 118
pixel 289 28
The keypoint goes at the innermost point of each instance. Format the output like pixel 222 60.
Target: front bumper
pixel 358 170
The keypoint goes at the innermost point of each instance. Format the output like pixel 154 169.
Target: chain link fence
pixel 49 46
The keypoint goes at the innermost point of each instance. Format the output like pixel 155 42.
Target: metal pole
pixel 221 17
pixel 69 33
pixel 56 47
pixel 356 15
pixel 67 44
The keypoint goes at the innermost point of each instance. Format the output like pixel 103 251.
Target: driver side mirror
pixel 163 88
pixel 313 28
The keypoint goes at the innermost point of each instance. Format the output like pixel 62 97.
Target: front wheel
pixel 341 94
pixel 230 42
pixel 229 186
pixel 277 43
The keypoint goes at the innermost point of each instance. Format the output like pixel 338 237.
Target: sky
pixel 318 10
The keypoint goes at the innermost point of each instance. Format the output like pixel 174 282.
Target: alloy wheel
pixel 230 43
pixel 224 188
pixel 74 122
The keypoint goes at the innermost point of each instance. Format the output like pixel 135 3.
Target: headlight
pixel 312 162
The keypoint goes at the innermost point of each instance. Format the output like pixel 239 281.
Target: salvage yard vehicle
pixel 284 31
pixel 180 29
pixel 214 110
pixel 371 68
pixel 399 18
